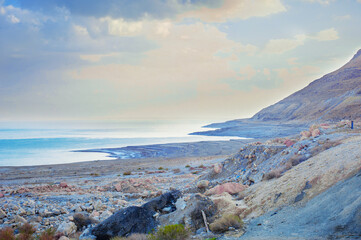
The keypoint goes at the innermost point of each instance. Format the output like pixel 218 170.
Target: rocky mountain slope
pixel 334 97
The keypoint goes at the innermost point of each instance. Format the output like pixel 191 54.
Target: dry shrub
pixel 26 232
pixel 7 234
pixel 276 173
pixel 296 159
pixel 176 170
pixel 48 234
pixel 171 232
pixel 324 146
pixel 223 224
pixel 127 173
pixel 135 236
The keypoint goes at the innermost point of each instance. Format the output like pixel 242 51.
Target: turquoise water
pixel 38 146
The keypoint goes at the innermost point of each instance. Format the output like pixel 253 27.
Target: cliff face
pixel 335 96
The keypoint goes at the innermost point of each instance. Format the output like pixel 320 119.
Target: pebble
pixel 2 214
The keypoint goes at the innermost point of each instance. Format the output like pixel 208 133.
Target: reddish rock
pixel 118 187
pixel 316 132
pixel 288 142
pixel 231 188
pixel 63 185
pixel 2 195
pixel 217 168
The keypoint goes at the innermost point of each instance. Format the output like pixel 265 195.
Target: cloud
pixel 343 18
pixel 236 9
pixel 280 46
pixel 125 9
pixel 323 2
pixel 327 35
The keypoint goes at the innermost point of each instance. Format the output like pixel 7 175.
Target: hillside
pixel 333 97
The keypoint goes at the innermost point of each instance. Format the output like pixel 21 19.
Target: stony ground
pixel 266 181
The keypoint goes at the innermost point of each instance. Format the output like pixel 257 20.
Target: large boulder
pixel 189 213
pixel 135 219
pixel 230 187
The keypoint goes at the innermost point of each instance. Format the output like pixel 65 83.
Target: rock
pixel 67 228
pixel 2 194
pixel 191 215
pixel 82 221
pixel 98 205
pixel 217 168
pixel 87 234
pixel 63 238
pixel 316 132
pixel 118 187
pixel 134 219
pixel 2 214
pixel 63 211
pixel 63 185
pixel 95 214
pixel 288 142
pixel 202 184
pixel 19 219
pixel 227 205
pixel 105 214
pixel 45 213
pixel 231 188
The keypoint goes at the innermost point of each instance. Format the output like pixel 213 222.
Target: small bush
pixel 135 236
pixel 160 168
pixel 188 166
pixel 127 173
pixel 7 234
pixel 26 232
pixel 276 173
pixel 48 234
pixel 223 224
pixel 171 232
pixel 94 174
pixel 201 166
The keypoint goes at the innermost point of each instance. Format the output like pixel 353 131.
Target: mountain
pixel 333 97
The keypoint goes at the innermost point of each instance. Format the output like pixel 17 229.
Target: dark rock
pixel 300 196
pixel 82 221
pixel 307 185
pixel 135 219
pixel 191 214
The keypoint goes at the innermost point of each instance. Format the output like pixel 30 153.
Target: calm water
pixel 54 144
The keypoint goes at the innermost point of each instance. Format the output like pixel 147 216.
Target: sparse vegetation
pixel 276 173
pixel 127 173
pixel 135 236
pixel 188 166
pixel 26 232
pixel 171 232
pixel 225 222
pixel 324 146
pixel 95 174
pixel 48 234
pixel 7 234
pixel 160 168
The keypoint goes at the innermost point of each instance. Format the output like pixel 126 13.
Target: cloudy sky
pixel 166 59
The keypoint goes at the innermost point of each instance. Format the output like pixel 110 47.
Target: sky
pixel 126 60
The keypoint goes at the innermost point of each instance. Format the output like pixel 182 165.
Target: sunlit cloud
pixel 236 9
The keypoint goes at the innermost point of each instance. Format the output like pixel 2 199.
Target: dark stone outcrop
pixel 135 219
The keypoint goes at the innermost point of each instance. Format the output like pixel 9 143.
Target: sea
pixel 29 144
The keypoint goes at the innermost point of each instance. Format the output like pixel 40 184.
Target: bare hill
pixel 333 97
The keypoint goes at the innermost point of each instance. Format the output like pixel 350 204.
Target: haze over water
pixel 54 144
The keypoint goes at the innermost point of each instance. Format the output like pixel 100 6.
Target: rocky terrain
pixel 333 97
pixel 298 187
